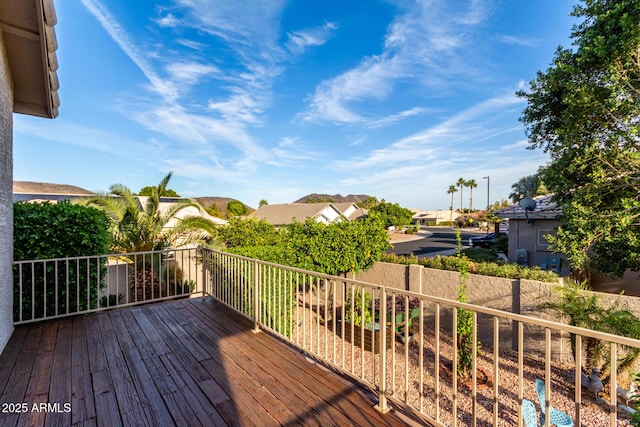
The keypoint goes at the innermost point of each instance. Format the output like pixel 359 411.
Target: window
pixel 543 233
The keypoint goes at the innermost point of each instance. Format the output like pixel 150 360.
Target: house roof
pixel 39 188
pixel 287 213
pixel 350 210
pixel 546 208
pixel 30 43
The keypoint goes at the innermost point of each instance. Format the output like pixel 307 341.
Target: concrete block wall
pixel 514 296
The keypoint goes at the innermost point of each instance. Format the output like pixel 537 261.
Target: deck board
pixel 183 363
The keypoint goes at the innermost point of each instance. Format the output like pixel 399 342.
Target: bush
pixel 45 231
pixel 459 264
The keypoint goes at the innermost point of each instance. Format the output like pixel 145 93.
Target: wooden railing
pixel 411 359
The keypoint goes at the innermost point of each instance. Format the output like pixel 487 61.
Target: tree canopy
pixel 584 111
pixel 137 228
pixel 392 214
pixel 527 186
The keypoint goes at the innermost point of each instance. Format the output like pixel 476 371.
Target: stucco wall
pixel 525 235
pixel 6 195
pixel 514 296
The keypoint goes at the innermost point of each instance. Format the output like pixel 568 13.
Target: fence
pixel 51 288
pixel 408 347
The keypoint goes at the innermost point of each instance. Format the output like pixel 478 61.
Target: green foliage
pixel 368 203
pixel 586 310
pixel 240 232
pixel 326 248
pixel 137 228
pixel 358 309
pixel 392 214
pixel 46 231
pixel 583 111
pixel 527 186
pixel 263 202
pixel 464 324
pixel 236 208
pixel 496 269
pixel 148 191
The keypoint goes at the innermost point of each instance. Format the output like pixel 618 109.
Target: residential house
pixel 284 214
pixel 528 231
pixel 28 85
pixel 351 211
pixel 25 191
pixel 434 217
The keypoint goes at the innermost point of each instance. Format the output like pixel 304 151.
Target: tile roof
pixel 546 208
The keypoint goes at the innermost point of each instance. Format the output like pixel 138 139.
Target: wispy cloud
pixel 301 39
pixel 466 127
pixel 519 41
pixel 426 38
pixel 189 72
pixel 293 153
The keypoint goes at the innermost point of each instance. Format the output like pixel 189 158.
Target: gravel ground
pixel 403 379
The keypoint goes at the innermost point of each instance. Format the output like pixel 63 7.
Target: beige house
pixel 351 211
pixel 434 217
pixel 25 191
pixel 28 85
pixel 284 214
pixel 528 231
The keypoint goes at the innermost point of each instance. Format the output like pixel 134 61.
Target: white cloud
pixel 189 72
pixel 425 43
pixel 519 41
pixel 300 40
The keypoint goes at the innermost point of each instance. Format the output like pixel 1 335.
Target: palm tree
pixel 471 184
pixel 461 183
pixel 138 228
pixel 527 186
pixel 452 189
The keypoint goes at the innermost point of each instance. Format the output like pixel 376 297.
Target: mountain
pixel 336 198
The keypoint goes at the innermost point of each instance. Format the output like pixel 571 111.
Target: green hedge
pixel 455 263
pixel 46 231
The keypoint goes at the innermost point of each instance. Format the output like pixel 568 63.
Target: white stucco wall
pixel 6 199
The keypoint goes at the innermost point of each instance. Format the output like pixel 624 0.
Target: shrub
pixel 45 231
pixel 496 269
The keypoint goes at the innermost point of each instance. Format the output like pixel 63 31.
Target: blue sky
pixel 277 99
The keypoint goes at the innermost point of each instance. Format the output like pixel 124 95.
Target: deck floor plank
pixel 180 363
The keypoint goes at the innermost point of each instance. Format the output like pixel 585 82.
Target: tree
pixel 452 189
pixel 527 186
pixel 369 202
pixel 471 184
pixel 461 183
pixel 146 191
pixel 584 112
pixel 137 228
pixel 392 214
pixel 236 208
pixel 263 202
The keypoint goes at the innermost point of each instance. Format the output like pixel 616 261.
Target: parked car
pixel 484 241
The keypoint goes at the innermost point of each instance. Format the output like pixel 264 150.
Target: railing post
pixel 205 266
pixel 256 297
pixel 382 390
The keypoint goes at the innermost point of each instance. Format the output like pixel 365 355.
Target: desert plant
pixel 464 323
pixel 586 310
pixel 358 309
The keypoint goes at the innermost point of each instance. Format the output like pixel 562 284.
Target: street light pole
pixel 487 178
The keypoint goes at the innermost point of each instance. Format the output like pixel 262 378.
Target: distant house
pixel 351 211
pixel 528 233
pixel 28 85
pixel 191 211
pixel 285 214
pixel 434 217
pixel 25 191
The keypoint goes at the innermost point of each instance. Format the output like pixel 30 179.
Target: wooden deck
pixel 187 362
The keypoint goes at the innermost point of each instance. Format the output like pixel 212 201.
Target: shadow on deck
pixel 181 363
